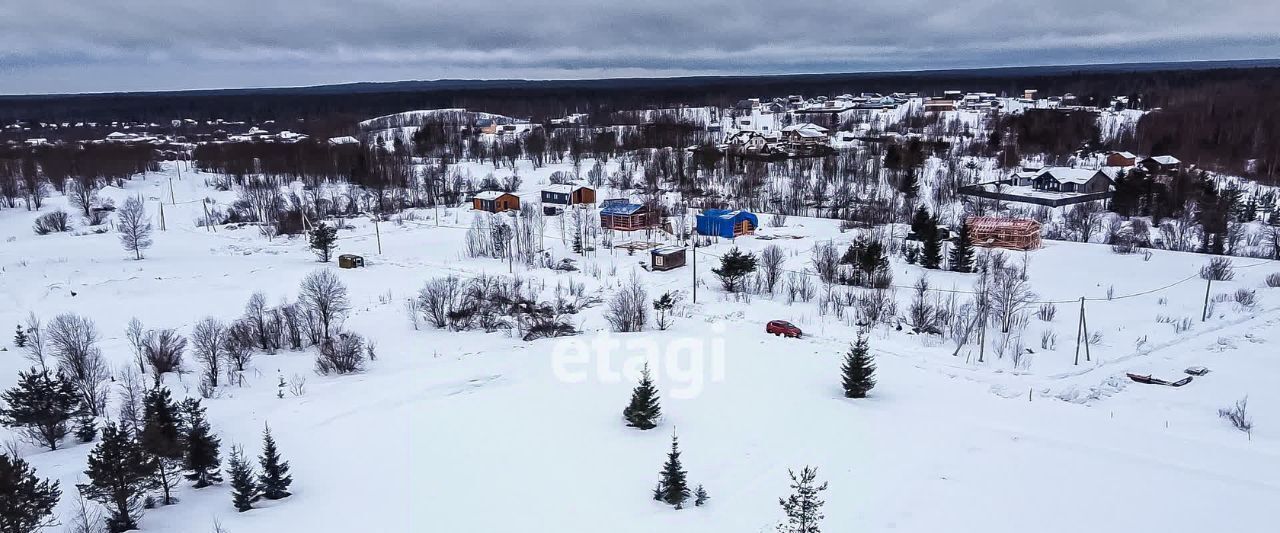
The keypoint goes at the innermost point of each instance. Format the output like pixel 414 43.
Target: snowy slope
pixel 482 432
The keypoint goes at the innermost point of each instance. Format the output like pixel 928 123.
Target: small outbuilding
pixel 495 201
pixel 726 223
pixel 621 215
pixel 666 257
pixel 1121 159
pixel 999 232
pixel 350 261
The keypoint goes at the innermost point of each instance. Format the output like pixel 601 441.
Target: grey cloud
pixel 75 46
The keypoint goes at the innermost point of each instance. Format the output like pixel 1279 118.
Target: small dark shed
pixel 350 261
pixel 666 257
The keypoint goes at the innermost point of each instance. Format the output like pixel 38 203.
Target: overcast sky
pixel 63 46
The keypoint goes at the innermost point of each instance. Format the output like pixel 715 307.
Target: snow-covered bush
pixel 1273 280
pixel 1238 415
pixel 54 222
pixel 342 354
pixel 628 309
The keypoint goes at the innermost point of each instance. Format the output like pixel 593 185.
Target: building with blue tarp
pixel 726 223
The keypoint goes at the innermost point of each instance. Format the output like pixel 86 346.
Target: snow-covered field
pixel 473 431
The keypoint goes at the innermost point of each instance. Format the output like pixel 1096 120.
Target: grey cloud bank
pixel 57 46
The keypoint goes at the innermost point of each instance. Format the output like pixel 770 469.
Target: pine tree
pixel 675 486
pixel 803 507
pixel 323 240
pixel 201 459
pixel 700 496
pixel 931 254
pixel 858 370
pixel 734 267
pixel 244 491
pixel 41 406
pixel 86 427
pixel 20 338
pixel 161 437
pixel 658 491
pixel 921 222
pixel 577 243
pixel 275 478
pixel 28 501
pixel 120 473
pixel 962 252
pixel 644 410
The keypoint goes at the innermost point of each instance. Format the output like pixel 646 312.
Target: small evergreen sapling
pixel 804 506
pixel 323 239
pixel 859 370
pixel 643 411
pixel 201 459
pixel 674 483
pixel 41 406
pixel 700 496
pixel 28 500
pixel 86 427
pixel 244 490
pixel 275 479
pixel 20 338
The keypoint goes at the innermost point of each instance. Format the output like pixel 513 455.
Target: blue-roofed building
pixel 726 223
pixel 622 215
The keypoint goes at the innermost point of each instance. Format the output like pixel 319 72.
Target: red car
pixel 782 327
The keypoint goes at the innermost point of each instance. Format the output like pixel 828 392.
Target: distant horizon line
pixel 461 83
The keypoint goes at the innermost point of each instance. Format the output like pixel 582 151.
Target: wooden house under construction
pixel 999 232
pixel 621 215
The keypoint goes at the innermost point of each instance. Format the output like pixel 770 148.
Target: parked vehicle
pixel 782 327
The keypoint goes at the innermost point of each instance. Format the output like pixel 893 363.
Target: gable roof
pixel 1166 160
pixel 1070 175
pixel 490 195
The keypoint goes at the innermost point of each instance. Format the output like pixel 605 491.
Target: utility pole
pixel 171 200
pixel 162 217
pixel 1082 335
pixel 378 234
pixel 1204 313
pixel 695 269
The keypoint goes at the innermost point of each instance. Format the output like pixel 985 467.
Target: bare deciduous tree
pixel 771 259
pixel 135 226
pixel 74 341
pixel 207 339
pixel 628 309
pixel 324 294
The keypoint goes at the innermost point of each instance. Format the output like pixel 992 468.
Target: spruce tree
pixel 644 410
pixel 244 490
pixel 700 496
pixel 962 251
pixel 323 240
pixel 40 406
pixel 931 253
pixel 803 507
pixel 675 486
pixel 858 370
pixel 28 501
pixel 201 459
pixel 275 478
pixel 86 427
pixel 20 338
pixel 161 437
pixel 120 473
pixel 921 222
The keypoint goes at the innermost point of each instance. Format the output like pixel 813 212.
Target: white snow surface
pixel 474 431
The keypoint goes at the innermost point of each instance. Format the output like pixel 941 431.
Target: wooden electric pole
pixel 1082 335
